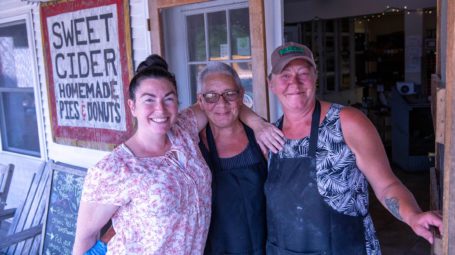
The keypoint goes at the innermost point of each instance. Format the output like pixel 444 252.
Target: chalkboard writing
pixel 63 204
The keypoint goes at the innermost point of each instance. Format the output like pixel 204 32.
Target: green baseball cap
pixel 289 51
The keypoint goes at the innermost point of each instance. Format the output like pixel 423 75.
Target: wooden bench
pixel 24 233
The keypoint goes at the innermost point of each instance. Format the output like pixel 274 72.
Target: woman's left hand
pixel 269 137
pixel 421 224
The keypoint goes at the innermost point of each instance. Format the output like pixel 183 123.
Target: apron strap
pixel 255 146
pixel 314 130
pixel 213 153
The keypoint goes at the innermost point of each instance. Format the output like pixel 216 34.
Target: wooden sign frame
pixel 88 62
pixel 55 169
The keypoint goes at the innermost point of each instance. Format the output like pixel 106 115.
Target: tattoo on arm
pixel 394 207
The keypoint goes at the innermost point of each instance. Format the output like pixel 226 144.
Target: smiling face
pixel 155 105
pixel 295 86
pixel 223 113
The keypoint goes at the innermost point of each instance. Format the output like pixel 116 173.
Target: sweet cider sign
pixel 88 65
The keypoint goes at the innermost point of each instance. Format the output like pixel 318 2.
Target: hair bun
pixel 152 61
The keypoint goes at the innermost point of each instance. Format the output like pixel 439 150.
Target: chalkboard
pixel 61 210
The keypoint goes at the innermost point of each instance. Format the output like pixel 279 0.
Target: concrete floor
pixel 395 237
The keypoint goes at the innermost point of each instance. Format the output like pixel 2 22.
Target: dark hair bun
pixel 152 61
pixel 155 67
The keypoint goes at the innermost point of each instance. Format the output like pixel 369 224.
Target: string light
pixel 390 10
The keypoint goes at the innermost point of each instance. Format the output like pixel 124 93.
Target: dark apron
pixel 238 224
pixel 298 219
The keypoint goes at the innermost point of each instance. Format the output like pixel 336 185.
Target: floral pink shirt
pixel 165 201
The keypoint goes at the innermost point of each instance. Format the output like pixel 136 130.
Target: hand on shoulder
pixel 269 137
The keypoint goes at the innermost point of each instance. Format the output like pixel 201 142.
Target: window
pixel 220 35
pixel 18 119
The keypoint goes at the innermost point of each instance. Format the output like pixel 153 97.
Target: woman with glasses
pixel 238 224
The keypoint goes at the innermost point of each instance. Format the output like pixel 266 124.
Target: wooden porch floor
pixel 396 238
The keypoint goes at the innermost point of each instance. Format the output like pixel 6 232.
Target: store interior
pixel 379 64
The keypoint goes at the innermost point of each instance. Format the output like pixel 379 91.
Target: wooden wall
pixel 443 98
pixel 449 141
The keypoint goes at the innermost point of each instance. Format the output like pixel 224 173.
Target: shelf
pixel 332 42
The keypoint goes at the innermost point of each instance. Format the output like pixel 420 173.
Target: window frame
pixel 205 11
pixel 25 17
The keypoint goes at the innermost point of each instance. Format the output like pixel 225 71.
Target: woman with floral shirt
pixel 155 186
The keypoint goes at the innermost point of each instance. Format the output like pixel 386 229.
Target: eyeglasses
pixel 212 97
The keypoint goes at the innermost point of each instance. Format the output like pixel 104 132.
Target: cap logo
pixel 291 49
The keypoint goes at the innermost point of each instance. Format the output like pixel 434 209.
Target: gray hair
pixel 217 67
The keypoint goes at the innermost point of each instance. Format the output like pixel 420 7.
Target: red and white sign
pixel 88 61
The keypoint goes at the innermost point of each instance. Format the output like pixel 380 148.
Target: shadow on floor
pixel 395 237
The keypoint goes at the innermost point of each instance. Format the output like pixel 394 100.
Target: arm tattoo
pixel 394 207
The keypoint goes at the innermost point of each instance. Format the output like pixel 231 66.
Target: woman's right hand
pixel 421 224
